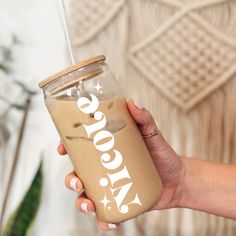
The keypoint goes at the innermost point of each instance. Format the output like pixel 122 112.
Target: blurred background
pixel 175 57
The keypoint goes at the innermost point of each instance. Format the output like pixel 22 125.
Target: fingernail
pixel 111 226
pixel 73 183
pixel 93 214
pixel 140 108
pixel 84 206
pixel 138 104
pixel 60 147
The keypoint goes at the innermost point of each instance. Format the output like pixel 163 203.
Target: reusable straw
pixel 80 86
pixel 66 31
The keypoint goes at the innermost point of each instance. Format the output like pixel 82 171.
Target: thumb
pixel 142 117
pixel 147 125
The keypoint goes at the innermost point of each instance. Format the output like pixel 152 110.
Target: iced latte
pixel 102 140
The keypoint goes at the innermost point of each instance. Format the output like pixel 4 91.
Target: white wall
pixel 43 52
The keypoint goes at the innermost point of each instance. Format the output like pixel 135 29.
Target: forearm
pixel 209 187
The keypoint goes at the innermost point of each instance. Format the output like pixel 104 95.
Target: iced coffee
pixel 102 140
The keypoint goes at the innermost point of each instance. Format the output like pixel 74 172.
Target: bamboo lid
pixel 71 69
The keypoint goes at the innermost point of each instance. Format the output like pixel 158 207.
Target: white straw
pixel 67 35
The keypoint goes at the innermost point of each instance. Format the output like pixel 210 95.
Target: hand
pixel 169 166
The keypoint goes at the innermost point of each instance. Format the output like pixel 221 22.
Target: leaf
pixel 7 53
pixel 22 218
pixel 4 68
pixel 4 132
pixel 15 40
pixel 24 88
pixel 31 92
pixel 21 107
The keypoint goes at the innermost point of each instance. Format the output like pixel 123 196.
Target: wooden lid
pixel 69 83
pixel 71 69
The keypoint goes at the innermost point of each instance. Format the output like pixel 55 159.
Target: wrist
pixel 190 184
pixel 180 195
pixel 174 191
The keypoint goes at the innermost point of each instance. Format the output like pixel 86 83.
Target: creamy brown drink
pixel 105 146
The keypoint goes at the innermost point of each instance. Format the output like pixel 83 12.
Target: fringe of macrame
pixel 112 41
pixel 208 131
pixel 93 17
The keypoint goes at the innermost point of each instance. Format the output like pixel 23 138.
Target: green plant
pixel 20 221
pixel 23 106
pixel 6 52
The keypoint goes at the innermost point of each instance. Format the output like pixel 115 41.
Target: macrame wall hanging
pixel 189 57
pixel 179 59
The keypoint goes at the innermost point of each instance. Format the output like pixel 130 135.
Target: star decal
pixel 98 87
pixel 105 202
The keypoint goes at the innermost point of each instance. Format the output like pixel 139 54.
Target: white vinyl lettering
pixel 111 165
pixel 104 141
pixel 87 106
pixel 101 135
pixel 100 117
pixel 119 198
pixel 122 174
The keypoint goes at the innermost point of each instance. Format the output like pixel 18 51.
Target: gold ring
pixel 155 132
